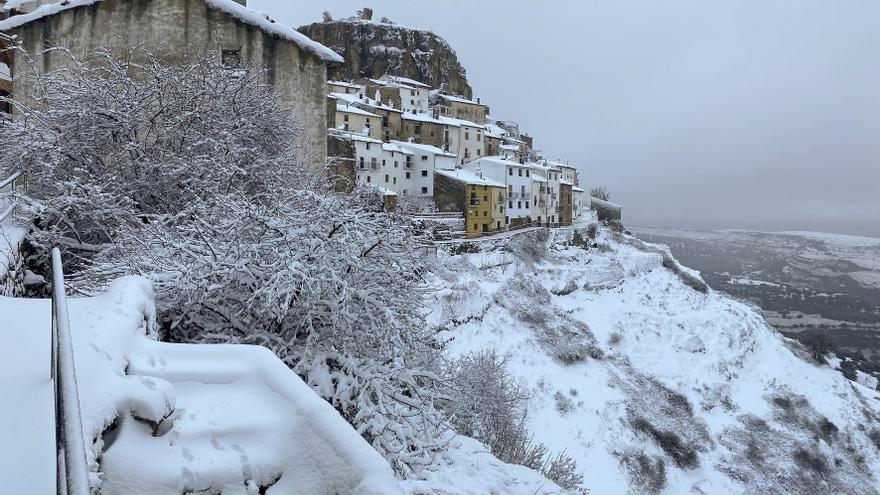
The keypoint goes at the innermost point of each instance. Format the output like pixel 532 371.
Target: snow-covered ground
pixel 186 418
pixel 654 386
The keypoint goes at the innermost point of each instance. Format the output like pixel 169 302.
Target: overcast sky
pixel 761 114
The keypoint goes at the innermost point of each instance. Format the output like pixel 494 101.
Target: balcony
pixel 474 202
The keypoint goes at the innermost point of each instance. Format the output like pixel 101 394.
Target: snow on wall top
pixel 243 14
pixel 605 204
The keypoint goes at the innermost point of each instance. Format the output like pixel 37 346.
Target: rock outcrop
pixel 374 48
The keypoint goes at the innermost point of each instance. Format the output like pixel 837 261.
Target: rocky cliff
pixel 372 48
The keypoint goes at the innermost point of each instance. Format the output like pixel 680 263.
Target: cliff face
pixel 372 49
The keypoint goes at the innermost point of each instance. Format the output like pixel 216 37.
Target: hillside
pixel 372 49
pixel 805 282
pixel 651 382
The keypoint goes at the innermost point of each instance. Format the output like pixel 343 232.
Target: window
pixel 485 197
pixel 424 173
pixel 383 162
pixel 386 178
pixel 394 181
pixel 374 163
pixel 345 117
pixel 476 226
pixel 518 203
pixel 424 158
pixel 412 102
pixel 344 127
pixel 409 175
pixel 412 92
pixel 368 146
pixel 362 163
pixel 395 163
pixel 405 192
pixel 231 58
pixel 368 179
pixel 418 128
pixel 479 152
pixel 519 170
pixel 424 190
pixel 479 136
pixel 485 213
pixel 527 205
pixel 385 121
pixel 467 135
pixel 510 204
pixel 510 171
pixel 527 173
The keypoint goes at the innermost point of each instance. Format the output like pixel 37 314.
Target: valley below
pixel 804 282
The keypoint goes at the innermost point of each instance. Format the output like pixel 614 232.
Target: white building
pixel 519 181
pixel 425 159
pixel 463 138
pixel 578 206
pixel 368 159
pixel 551 198
pixel 414 95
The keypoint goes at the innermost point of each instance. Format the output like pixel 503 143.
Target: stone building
pixel 296 65
pixel 461 108
pixel 564 208
pixel 351 118
pixel 480 200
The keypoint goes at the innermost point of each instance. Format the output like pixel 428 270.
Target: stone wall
pixel 173 26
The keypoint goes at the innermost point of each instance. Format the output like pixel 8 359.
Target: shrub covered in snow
pixel 186 175
pixel 487 403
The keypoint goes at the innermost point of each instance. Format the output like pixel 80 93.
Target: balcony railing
pixel 72 473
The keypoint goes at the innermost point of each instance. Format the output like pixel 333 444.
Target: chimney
pixel 367 14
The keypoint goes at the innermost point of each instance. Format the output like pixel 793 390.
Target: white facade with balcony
pixel 425 159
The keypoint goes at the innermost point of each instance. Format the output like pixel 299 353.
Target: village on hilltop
pixel 427 152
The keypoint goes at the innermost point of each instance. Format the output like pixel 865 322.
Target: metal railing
pixel 72 473
pixel 7 190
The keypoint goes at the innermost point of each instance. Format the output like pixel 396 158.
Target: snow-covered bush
pixel 187 175
pixel 487 403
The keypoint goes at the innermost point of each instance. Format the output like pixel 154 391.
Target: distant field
pixel 802 280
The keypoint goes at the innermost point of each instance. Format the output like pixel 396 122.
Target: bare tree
pixel 186 175
pixel 600 193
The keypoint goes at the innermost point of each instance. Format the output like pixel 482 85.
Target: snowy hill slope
pixel 652 382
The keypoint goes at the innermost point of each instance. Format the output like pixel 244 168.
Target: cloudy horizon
pixel 753 115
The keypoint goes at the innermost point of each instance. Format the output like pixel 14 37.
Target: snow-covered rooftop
pixel 357 99
pixel 459 99
pixel 425 148
pixel 240 12
pixel 407 81
pixel 396 146
pixel 468 177
pixel 342 107
pixel 353 136
pixel 345 84
pixel 423 117
pixel 460 122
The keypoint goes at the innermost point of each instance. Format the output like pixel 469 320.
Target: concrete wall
pixel 172 26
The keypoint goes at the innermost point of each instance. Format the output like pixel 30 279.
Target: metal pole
pixel 72 471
